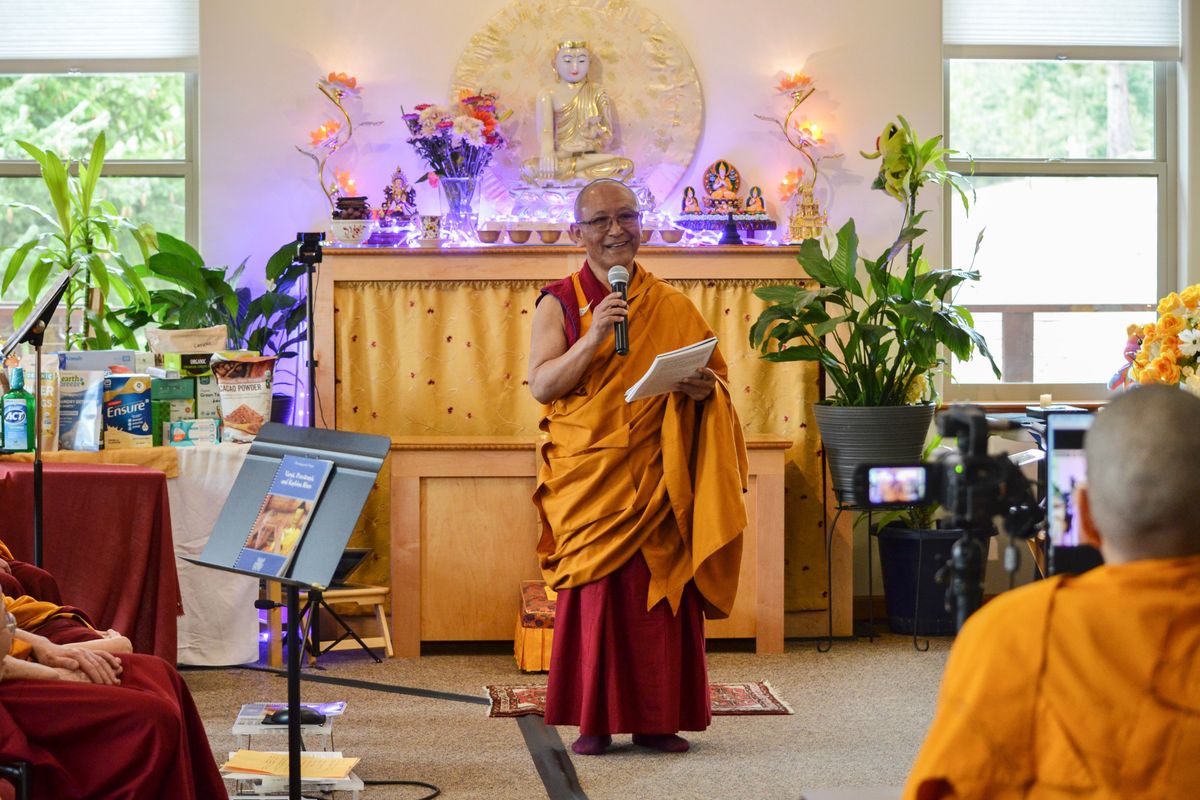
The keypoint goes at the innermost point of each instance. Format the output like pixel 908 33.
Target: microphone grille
pixel 618 274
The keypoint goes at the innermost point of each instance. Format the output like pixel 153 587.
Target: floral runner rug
pixel 728 699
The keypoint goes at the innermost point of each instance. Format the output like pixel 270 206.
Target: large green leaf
pixel 783 294
pixel 845 260
pixel 280 260
pixel 15 263
pixel 816 265
pixel 171 245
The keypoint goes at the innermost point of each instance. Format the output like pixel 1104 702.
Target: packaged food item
pixel 195 364
pixel 80 409
pixel 128 361
pixel 48 385
pixel 190 340
pixel 208 398
pixel 245 387
pixel 191 432
pixel 172 388
pixel 127 413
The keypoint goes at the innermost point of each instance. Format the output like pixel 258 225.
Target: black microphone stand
pixel 308 253
pixel 33 331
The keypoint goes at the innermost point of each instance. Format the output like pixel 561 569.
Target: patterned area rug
pixel 728 699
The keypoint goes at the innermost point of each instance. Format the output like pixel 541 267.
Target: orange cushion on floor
pixel 537 609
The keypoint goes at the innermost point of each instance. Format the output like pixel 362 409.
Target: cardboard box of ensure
pixel 191 432
pixel 127 414
pixel 193 365
pixel 126 361
pixel 208 397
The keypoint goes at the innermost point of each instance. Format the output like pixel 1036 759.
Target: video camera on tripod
pixel 972 486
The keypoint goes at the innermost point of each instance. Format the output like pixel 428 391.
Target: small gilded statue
pixel 399 199
pixel 721 182
pixel 690 204
pixel 574 124
pixel 755 204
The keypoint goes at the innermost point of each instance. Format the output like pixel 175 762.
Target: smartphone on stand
pixel 1066 469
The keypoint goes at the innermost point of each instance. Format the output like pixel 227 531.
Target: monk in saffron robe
pixel 140 740
pixel 18 578
pixel 641 503
pixel 1088 686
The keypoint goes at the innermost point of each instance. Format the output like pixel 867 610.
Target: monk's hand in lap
pixel 4 567
pixel 96 666
pixel 66 674
pixel 699 385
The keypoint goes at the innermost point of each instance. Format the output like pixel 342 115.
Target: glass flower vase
pixel 459 220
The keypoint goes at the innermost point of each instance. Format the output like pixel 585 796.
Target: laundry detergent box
pixel 128 418
pixel 191 432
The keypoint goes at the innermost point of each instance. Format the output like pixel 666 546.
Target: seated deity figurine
pixel 399 198
pixel 575 127
pixel 755 204
pixel 721 182
pixel 690 204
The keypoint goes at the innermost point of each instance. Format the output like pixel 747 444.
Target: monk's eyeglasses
pixel 629 220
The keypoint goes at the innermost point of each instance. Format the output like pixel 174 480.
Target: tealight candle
pixel 1045 401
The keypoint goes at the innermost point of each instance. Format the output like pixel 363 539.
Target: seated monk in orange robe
pixel 641 503
pixel 96 725
pixel 1088 686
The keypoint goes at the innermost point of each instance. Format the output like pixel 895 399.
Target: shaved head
pixel 580 198
pixel 1143 474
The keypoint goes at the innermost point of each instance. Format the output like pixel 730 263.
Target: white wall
pixel 871 61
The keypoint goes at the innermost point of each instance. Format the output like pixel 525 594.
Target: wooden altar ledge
pixel 464 533
pixel 514 263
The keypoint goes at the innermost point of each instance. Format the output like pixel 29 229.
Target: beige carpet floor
pixel 861 713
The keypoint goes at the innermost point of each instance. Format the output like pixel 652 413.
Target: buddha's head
pixel 571 60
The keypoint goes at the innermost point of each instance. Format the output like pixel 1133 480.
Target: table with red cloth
pixel 107 539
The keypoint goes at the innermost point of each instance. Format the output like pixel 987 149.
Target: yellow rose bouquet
pixel 1170 349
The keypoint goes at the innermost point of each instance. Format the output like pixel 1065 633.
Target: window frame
pixel 1161 167
pixel 187 169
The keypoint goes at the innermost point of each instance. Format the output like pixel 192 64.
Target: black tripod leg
pixel 348 632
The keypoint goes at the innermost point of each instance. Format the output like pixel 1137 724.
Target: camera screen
pixel 896 485
pixel 1066 467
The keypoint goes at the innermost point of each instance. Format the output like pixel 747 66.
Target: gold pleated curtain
pixel 450 358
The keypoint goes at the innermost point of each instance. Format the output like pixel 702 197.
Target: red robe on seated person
pixel 142 740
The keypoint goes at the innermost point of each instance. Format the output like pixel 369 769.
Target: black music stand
pixel 308 253
pixel 33 331
pixel 357 458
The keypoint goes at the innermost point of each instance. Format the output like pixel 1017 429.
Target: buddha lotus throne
pixel 575 126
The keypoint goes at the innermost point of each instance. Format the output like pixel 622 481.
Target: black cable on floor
pixel 436 790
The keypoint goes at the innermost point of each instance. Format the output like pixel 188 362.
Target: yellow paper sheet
pixel 312 767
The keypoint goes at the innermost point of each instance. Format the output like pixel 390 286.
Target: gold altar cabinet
pixel 429 347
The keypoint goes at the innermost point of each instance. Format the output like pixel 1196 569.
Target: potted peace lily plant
pixel 879 327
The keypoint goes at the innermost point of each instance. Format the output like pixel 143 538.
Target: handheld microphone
pixel 618 278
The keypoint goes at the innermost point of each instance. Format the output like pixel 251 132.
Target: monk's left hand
pixel 98 665
pixel 699 385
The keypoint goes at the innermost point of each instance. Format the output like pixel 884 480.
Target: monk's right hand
pixel 606 314
pixel 4 567
pixel 98 666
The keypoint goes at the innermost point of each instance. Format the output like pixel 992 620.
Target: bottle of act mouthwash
pixel 19 416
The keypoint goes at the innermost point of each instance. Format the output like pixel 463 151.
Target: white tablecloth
pixel 220 623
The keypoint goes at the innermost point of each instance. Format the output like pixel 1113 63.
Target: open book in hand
pixel 670 368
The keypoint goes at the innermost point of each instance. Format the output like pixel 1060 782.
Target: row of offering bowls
pixel 523 235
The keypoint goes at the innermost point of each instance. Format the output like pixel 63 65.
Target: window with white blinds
pixel 98 29
pixel 1141 28
pixel 1060 111
pixel 71 69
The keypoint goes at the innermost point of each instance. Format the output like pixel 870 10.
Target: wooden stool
pixel 364 595
pixel 535 627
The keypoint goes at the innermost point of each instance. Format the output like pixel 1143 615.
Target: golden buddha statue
pixel 574 125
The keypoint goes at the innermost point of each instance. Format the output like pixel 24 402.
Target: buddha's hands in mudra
pixel 548 167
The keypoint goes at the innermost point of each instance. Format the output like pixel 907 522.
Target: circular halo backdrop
pixel 646 71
